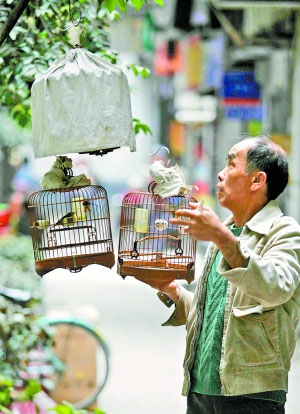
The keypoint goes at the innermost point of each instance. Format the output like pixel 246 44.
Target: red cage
pixel 150 247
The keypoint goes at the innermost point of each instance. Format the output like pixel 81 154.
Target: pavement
pixel 146 358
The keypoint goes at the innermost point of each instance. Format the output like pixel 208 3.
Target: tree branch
pixel 12 19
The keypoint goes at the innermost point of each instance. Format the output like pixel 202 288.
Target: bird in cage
pixel 78 213
pixel 79 209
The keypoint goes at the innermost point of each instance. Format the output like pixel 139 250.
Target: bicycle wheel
pixel 85 359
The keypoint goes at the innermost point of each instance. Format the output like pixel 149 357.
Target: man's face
pixel 233 189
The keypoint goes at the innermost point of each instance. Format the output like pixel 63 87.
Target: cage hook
pixel 75 22
pixel 160 148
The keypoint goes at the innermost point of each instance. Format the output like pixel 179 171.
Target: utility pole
pixel 294 202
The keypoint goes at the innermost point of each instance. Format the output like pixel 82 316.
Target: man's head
pixel 256 172
pixel 269 157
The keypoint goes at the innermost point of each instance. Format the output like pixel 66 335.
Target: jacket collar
pixel 262 221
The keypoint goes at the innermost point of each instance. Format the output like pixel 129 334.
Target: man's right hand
pixel 170 289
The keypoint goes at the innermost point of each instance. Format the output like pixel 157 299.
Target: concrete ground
pixel 146 358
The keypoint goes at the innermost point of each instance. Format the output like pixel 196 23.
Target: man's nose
pixel 221 175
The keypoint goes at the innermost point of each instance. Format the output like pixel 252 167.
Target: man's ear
pixel 259 180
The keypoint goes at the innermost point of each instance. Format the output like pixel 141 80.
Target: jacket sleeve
pixel 182 308
pixel 272 277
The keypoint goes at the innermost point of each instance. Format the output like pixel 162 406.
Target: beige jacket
pixel 262 306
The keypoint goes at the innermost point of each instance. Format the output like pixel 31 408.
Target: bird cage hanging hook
pixel 153 184
pixel 159 149
pixel 66 170
pixel 75 22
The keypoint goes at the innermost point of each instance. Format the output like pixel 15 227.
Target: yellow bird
pixel 72 218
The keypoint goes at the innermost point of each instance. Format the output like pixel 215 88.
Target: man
pixel 241 322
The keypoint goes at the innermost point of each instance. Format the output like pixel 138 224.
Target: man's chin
pixel 222 200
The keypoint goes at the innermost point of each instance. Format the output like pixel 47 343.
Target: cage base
pixel 74 263
pixel 150 274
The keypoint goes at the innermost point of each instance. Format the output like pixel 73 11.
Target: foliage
pixel 139 126
pixel 40 38
pixel 20 333
pixel 11 392
pixel 67 408
pixel 10 133
pixel 17 265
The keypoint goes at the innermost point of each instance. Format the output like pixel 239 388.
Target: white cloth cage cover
pixel 81 104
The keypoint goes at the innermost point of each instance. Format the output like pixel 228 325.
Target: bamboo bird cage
pixel 150 248
pixel 70 228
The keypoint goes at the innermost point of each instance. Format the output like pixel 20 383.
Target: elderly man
pixel 241 322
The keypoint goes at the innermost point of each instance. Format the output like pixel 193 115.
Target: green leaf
pixel 139 70
pixel 122 5
pixel 146 129
pixel 138 127
pixel 6 382
pixel 134 69
pixel 5 410
pixel 61 409
pixel 98 411
pixel 145 72
pixel 110 5
pixel 137 4
pixel 159 2
pixel 32 388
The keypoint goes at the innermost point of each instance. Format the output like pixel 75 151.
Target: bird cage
pixel 70 228
pixel 150 247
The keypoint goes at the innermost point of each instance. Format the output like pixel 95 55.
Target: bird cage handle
pixel 178 251
pixel 160 148
pixel 151 186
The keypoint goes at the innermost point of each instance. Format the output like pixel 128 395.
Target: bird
pixel 68 219
pixel 71 218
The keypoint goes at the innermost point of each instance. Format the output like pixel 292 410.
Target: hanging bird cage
pixel 70 228
pixel 81 104
pixel 150 247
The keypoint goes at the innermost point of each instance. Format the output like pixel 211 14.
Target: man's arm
pixel 228 246
pixel 272 278
pixel 205 225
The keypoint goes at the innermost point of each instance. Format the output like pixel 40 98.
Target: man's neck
pixel 242 217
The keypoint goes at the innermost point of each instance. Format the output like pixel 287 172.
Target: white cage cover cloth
pixel 81 104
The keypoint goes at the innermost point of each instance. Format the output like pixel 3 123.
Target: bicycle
pixel 72 379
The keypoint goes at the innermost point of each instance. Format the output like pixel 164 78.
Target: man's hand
pixel 205 225
pixel 201 224
pixel 170 289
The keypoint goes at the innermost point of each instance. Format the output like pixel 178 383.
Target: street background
pixel 216 75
